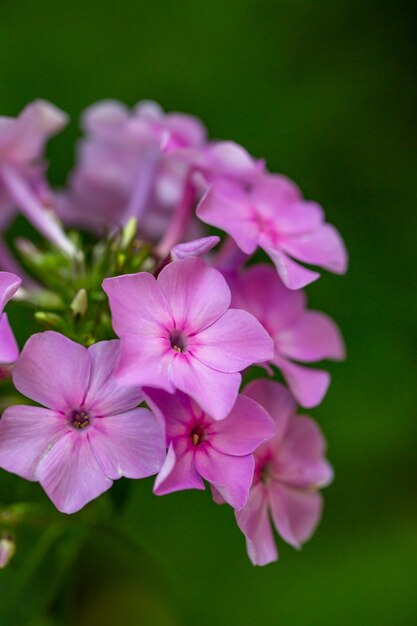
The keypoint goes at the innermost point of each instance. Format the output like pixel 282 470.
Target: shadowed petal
pixel 296 513
pixel 9 350
pixel 254 522
pixel 309 386
pixel 293 275
pixel 276 400
pixel 175 410
pixel 53 370
pixel 178 472
pixel 313 337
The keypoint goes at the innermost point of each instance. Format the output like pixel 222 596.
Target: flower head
pixel 177 332
pixel 90 432
pixel 270 213
pixel 298 333
pixel 9 284
pixel 199 447
pixel 289 470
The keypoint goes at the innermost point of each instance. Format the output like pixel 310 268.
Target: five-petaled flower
pixel 290 468
pixel 271 213
pixel 177 332
pixel 199 447
pixel 91 432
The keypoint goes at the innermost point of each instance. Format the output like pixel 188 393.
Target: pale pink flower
pixel 299 334
pixel 290 469
pixel 200 447
pixel 177 332
pixel 22 183
pixel 270 213
pixel 90 432
pixel 9 284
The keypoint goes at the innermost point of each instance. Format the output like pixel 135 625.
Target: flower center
pixel 80 419
pixel 178 341
pixel 265 474
pixel 197 435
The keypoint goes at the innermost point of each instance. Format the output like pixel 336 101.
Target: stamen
pixel 197 435
pixel 178 341
pixel 80 419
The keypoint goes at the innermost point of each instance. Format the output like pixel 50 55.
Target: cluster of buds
pixel 151 322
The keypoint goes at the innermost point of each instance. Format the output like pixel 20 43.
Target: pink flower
pixel 299 334
pixel 90 433
pixel 9 284
pixel 221 452
pixel 22 184
pixel 271 213
pixel 177 332
pixel 127 167
pixel 290 468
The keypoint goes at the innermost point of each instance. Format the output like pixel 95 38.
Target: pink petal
pixel 175 410
pixel 226 206
pixel 293 275
pixel 53 370
pixel 178 472
pixel 70 473
pixel 9 284
pixel 243 430
pixel 197 294
pixel 145 361
pixel 234 342
pixel 313 337
pixel 27 433
pixel 309 386
pixel 137 304
pixel 129 444
pixel 197 248
pixel 301 455
pixel 276 400
pixel 214 391
pixel 254 522
pixel 231 475
pixel 9 350
pixel 260 291
pixel 323 246
pixel 105 395
pixel 296 513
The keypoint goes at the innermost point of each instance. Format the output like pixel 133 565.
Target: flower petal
pixel 323 247
pixel 129 444
pixel 276 400
pixel 70 473
pixel 105 395
pixel 308 385
pixel 9 350
pixel 175 410
pixel 145 361
pixel 231 475
pixel 9 284
pixel 214 391
pixel 312 338
pixel 295 512
pixel 234 342
pixel 253 521
pixel 293 275
pixel 53 370
pixel 197 247
pixel 197 294
pixel 178 472
pixel 27 433
pixel 243 430
pixel 137 304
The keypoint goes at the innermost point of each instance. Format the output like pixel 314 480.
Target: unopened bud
pixel 129 232
pixel 7 549
pixel 79 305
pixel 49 319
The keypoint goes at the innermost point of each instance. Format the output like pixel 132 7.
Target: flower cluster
pixel 151 329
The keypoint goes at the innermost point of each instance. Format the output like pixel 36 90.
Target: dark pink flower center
pixel 197 435
pixel 80 419
pixel 178 341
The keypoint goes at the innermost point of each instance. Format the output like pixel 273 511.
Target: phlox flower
pixel 289 470
pixel 200 447
pixel 299 334
pixel 177 332
pixel 9 284
pixel 127 167
pixel 22 183
pixel 270 213
pixel 90 432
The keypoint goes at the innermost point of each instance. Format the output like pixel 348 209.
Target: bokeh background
pixel 327 93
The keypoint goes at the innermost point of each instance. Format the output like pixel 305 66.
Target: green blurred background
pixel 326 92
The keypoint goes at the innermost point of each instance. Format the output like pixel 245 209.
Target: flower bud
pixel 7 549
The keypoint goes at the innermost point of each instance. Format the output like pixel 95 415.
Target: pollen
pixel 80 419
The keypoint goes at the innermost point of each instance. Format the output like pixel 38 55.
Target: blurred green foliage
pixel 326 92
